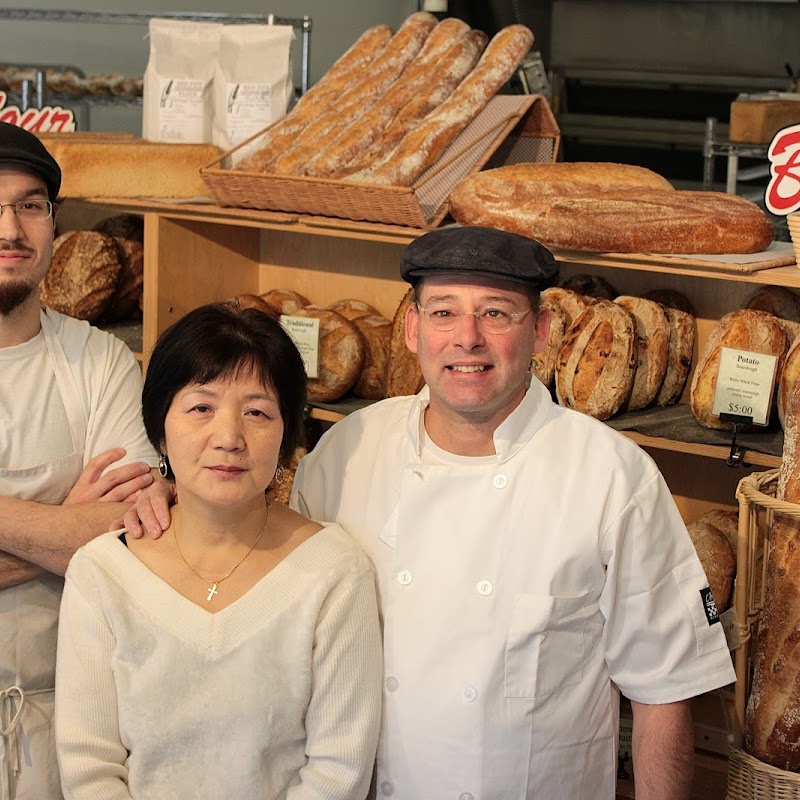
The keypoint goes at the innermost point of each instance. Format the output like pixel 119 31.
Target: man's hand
pixel 119 485
pixel 151 512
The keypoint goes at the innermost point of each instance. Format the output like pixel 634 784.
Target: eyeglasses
pixel 445 317
pixel 30 210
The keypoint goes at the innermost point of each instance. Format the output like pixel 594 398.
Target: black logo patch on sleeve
pixel 709 606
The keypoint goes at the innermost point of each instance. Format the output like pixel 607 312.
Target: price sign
pixel 744 385
pixel 305 334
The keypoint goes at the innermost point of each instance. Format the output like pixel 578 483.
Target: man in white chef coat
pixel 531 561
pixel 73 454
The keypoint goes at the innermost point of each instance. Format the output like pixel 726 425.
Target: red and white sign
pixel 38 120
pixel 783 191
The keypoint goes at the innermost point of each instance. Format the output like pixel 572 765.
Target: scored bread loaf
pixel 718 559
pixel 284 301
pixel 254 301
pixel 597 360
pixel 569 300
pixel 726 522
pixel 652 350
pixel 351 309
pixel 682 335
pixel 127 230
pixel 781 302
pixel 590 286
pixel 341 355
pixel 543 364
pixel 424 144
pixel 745 329
pixel 403 373
pixel 83 274
pixel 377 332
pixel 772 719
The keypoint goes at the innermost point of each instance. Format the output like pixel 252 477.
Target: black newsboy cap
pixel 22 147
pixel 485 252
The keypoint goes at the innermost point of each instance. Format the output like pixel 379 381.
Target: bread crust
pixel 352 309
pixel 569 300
pixel 403 373
pixel 377 332
pixel 718 560
pixel 543 364
pixel 284 301
pixel 590 286
pixel 597 360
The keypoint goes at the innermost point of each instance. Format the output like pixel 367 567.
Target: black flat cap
pixel 478 251
pixel 21 147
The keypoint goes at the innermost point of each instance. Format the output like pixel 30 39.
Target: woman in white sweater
pixel 239 655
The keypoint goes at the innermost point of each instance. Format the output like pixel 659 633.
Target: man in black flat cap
pixel 531 561
pixel 71 407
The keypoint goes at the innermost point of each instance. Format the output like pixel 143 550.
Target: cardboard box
pixel 757 121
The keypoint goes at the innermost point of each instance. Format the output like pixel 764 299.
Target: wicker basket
pixel 749 778
pixel 525 120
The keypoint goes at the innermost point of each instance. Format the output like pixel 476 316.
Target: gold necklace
pixel 214 582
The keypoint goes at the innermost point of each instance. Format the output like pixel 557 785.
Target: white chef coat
pixel 99 386
pixel 518 596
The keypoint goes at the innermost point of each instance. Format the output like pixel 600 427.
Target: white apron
pixel 29 616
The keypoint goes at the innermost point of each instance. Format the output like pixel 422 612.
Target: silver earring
pixel 163 465
pixel 280 475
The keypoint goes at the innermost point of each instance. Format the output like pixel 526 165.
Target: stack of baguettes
pixel 607 207
pixel 392 104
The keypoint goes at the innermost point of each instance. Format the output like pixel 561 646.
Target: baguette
pixel 444 70
pixel 425 143
pixel 360 97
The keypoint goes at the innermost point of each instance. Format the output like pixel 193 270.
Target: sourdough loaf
pixel 590 286
pixel 781 302
pixel 377 331
pixel 569 300
pixel 543 364
pixel 403 374
pixel 352 309
pixel 744 329
pixel 726 522
pixel 127 230
pixel 597 360
pixel 284 301
pixel 789 376
pixel 254 301
pixel 682 335
pixel 652 350
pixel 772 721
pixel 83 274
pixel 718 560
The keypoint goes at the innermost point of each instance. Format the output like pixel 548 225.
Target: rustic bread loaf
pixel 543 364
pixel 123 226
pixel 125 302
pixel 718 560
pixel 425 143
pixel 744 329
pixel 772 721
pixel 254 301
pixel 590 286
pixel 789 376
pixel 281 491
pixel 682 335
pixel 726 522
pixel 131 168
pixel 377 332
pixel 652 351
pixel 284 301
pixel 781 302
pixel 569 300
pixel 83 274
pixel 352 309
pixel 597 360
pixel 341 355
pixel 403 374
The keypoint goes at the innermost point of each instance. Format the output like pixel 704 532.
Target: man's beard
pixel 12 295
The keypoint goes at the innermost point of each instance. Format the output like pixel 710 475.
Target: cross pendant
pixel 211 592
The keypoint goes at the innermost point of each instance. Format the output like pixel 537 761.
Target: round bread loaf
pixel 353 309
pixel 789 376
pixel 543 364
pixel 744 329
pixel 254 301
pixel 403 375
pixel 284 301
pixel 781 302
pixel 126 226
pixel 726 522
pixel 125 302
pixel 377 333
pixel 572 302
pixel 341 355
pixel 590 286
pixel 682 335
pixel 718 560
pixel 597 360
pixel 652 332
pixel 83 274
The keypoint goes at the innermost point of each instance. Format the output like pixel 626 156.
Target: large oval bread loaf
pixel 377 332
pixel 781 302
pixel 652 351
pixel 718 559
pixel 543 364
pixel 772 720
pixel 351 308
pixel 789 376
pixel 570 301
pixel 682 335
pixel 755 331
pixel 597 360
pixel 83 275
pixel 341 355
pixel 403 373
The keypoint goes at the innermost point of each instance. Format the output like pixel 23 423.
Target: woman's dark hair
pixel 219 340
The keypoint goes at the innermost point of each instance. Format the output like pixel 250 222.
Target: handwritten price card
pixel 744 385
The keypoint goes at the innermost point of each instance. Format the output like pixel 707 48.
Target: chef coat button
pixel 387 788
pixel 404 577
pixel 392 683
pixel 466 796
pixel 500 481
pixel 470 693
pixel 485 588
